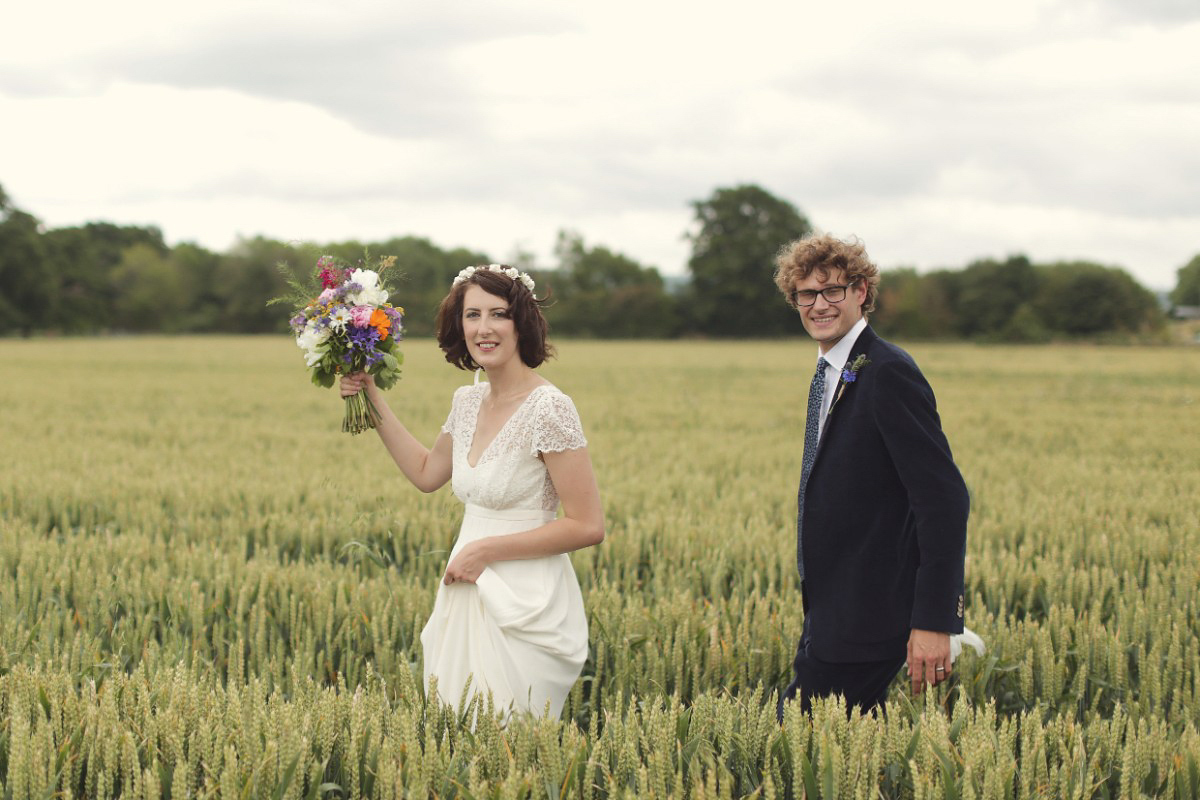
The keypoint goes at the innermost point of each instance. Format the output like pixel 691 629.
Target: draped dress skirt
pixel 519 632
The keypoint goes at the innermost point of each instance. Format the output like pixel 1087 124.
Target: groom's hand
pixel 928 658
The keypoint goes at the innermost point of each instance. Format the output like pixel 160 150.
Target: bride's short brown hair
pixel 526 314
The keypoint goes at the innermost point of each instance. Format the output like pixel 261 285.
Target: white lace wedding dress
pixel 520 632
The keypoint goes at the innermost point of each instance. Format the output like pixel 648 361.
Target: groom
pixel 882 517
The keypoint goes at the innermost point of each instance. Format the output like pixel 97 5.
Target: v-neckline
pixel 499 431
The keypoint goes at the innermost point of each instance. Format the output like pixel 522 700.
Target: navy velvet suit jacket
pixel 885 515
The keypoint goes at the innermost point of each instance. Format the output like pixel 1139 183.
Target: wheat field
pixel 208 590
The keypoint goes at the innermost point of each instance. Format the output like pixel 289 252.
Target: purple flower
pixel 362 338
pixel 850 373
pixel 361 347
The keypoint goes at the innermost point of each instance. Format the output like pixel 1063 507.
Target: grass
pixel 208 589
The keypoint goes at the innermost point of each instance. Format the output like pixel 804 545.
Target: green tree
pixel 912 306
pixel 989 292
pixel 28 286
pixel 83 258
pixel 247 277
pixel 85 294
pixel 150 293
pixel 198 269
pixel 600 293
pixel 1026 325
pixel 1187 286
pixel 1079 298
pixel 737 233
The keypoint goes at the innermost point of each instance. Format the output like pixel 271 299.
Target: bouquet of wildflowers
pixel 348 327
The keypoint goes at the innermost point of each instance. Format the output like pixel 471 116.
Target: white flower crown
pixel 511 272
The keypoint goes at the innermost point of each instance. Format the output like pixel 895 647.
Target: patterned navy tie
pixel 812 426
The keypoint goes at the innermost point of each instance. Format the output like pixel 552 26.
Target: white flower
pixel 368 279
pixel 339 319
pixel 310 341
pixel 463 274
pixel 371 294
pixel 312 336
pixel 510 272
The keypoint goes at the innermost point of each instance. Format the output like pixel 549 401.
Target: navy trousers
pixel 864 685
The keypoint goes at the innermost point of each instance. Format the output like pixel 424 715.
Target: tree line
pixel 103 278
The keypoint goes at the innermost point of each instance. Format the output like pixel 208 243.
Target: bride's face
pixel 488 328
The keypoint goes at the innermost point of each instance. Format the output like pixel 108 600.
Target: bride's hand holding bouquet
pixel 348 328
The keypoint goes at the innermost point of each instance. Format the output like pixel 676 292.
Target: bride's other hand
pixel 354 383
pixel 468 564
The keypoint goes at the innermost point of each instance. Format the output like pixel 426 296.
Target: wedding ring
pixel 939 669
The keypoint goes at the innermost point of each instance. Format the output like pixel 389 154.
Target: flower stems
pixel 361 414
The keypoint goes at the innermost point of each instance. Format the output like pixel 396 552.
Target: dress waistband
pixel 514 514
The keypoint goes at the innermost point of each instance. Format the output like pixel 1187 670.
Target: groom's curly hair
pixel 527 317
pixel 825 254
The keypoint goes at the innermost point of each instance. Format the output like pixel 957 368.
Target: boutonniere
pixel 849 376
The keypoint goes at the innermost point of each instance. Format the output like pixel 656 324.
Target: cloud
pixel 941 131
pixel 387 68
pixel 1096 122
pixel 1156 11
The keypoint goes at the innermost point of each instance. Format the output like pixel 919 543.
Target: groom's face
pixel 828 321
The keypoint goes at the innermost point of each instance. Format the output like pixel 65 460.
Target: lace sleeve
pixel 455 404
pixel 556 426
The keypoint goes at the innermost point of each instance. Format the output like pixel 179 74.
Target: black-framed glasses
pixel 803 298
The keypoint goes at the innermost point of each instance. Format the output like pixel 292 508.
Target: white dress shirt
pixel 837 357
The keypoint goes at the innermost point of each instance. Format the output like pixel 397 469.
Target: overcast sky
pixel 937 132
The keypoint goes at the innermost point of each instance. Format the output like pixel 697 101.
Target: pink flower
pixel 329 278
pixel 326 296
pixel 361 315
pixel 330 275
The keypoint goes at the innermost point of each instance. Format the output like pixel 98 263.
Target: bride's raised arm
pixel 427 469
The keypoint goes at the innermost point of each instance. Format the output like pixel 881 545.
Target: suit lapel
pixel 861 345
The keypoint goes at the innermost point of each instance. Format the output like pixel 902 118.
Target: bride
pixel 508 619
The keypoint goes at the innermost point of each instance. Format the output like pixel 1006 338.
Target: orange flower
pixel 381 323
